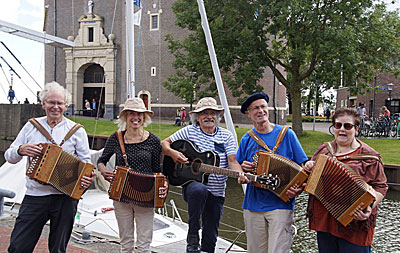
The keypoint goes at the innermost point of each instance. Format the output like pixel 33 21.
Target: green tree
pixel 351 39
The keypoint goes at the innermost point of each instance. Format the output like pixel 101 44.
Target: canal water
pixel 387 233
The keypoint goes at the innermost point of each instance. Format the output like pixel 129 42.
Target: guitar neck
pixel 226 172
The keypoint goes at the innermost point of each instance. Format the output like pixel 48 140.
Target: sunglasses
pixel 346 126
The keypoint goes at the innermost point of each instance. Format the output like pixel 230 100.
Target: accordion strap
pixel 41 129
pixel 350 157
pixel 46 134
pixel 70 133
pixel 120 139
pixel 278 141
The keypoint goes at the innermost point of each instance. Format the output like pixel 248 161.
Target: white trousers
pixel 126 214
pixel 268 231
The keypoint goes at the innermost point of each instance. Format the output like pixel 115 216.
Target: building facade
pixel 96 67
pixel 387 93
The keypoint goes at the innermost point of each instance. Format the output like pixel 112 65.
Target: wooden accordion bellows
pixel 137 188
pixel 340 190
pixel 288 172
pixel 60 169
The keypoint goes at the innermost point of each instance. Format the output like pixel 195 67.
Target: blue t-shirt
pixel 261 200
pixel 221 142
pixel 11 93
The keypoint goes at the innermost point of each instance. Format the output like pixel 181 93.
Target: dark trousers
pixel 202 204
pixel 328 243
pixel 35 211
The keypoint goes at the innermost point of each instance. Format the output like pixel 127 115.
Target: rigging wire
pixel 102 87
pixel 3 90
pixel 11 69
pixel 8 81
pixel 20 64
pixel 113 19
pixel 158 71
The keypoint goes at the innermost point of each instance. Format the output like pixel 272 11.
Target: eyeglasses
pixel 256 108
pixel 346 126
pixel 53 103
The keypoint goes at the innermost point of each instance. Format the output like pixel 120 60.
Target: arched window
pixel 94 74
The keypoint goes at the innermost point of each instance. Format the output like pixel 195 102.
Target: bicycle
pixel 365 127
pixel 395 126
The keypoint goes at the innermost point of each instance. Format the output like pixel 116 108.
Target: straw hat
pixel 207 103
pixel 137 105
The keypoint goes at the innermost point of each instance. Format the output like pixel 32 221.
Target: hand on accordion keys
pixel 248 167
pixel 87 181
pixel 295 190
pixel 163 191
pixel 107 174
pixel 31 150
pixel 363 214
pixel 309 165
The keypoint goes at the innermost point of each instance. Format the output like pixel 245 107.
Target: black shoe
pixel 193 245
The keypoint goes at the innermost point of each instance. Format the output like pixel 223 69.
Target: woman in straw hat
pixel 143 150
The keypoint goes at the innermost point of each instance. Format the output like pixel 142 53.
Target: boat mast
pixel 217 73
pixel 130 50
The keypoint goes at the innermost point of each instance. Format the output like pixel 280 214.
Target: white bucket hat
pixel 207 103
pixel 137 105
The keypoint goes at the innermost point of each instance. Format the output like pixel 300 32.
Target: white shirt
pixel 78 144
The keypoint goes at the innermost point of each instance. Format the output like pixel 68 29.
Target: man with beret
pixel 268 219
pixel 205 202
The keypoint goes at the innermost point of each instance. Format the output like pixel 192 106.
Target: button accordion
pixel 288 172
pixel 340 190
pixel 137 188
pixel 59 169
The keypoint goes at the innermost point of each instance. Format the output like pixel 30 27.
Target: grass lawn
pixel 311 140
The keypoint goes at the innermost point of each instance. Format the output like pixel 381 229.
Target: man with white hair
pixel 43 202
pixel 205 202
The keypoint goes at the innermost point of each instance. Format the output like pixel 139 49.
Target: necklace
pixel 134 139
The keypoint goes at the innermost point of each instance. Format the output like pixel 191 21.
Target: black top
pixel 143 157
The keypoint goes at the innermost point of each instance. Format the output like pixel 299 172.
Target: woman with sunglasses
pixel 358 235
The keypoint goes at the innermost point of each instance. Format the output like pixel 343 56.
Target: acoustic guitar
pixel 200 165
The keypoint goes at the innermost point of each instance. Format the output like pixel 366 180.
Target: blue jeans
pixel 202 204
pixel 328 243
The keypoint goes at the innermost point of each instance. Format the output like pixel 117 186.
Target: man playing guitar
pixel 205 201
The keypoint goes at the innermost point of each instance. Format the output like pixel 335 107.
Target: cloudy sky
pixel 29 13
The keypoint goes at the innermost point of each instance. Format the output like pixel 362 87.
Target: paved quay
pixel 7 224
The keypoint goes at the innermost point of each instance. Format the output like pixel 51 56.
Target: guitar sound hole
pixel 196 166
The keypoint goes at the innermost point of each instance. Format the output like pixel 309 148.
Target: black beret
pixel 252 98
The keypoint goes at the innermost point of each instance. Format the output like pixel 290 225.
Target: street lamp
pixel 390 88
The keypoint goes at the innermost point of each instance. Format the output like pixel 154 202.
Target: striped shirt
pixel 221 142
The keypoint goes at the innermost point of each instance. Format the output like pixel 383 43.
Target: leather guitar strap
pixel 46 134
pixel 278 141
pixel 120 139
